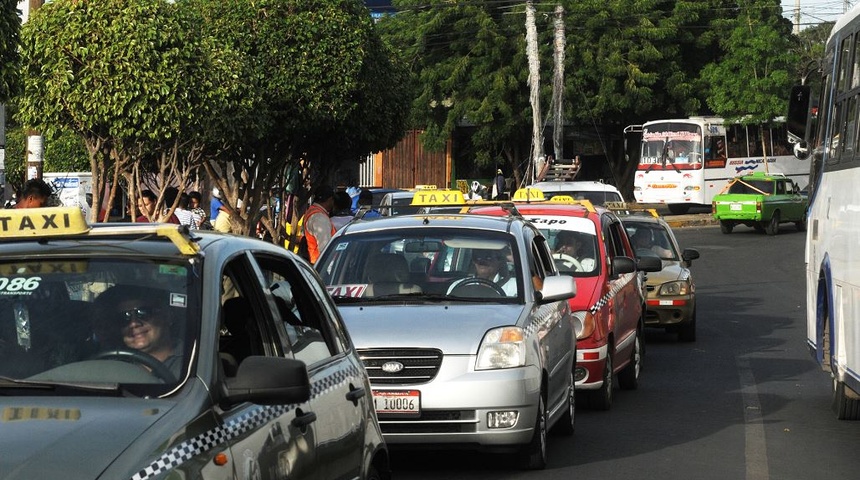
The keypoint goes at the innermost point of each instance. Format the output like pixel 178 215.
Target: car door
pixel 276 441
pixel 625 306
pixel 557 337
pixel 315 334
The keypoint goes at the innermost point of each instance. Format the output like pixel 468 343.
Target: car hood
pixel 671 271
pixel 587 293
pixel 456 329
pixel 69 437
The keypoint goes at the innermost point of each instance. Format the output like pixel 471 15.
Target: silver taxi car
pixel 145 351
pixel 463 325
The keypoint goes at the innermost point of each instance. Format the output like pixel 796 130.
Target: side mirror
pixel 621 265
pixel 557 287
pixel 801 150
pixel 269 381
pixel 798 116
pixel 649 263
pixel 689 254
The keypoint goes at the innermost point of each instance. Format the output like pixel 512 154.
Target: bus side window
pixel 737 138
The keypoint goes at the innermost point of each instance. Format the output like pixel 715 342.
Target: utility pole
pixel 558 85
pixel 796 17
pixel 2 155
pixel 35 140
pixel 536 160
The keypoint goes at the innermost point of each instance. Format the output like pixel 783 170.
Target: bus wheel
pixel 846 403
pixel 679 208
pixel 726 226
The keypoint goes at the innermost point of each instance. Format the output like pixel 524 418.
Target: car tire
pixel 373 474
pixel 628 379
pixel 566 424
pixel 772 227
pixel 726 226
pixel 801 224
pixel 601 399
pixel 533 455
pixel 687 331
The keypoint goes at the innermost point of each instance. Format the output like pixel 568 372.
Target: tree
pixel 131 79
pixel 309 97
pixel 10 26
pixel 749 84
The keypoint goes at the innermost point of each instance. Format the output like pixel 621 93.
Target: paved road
pixel 743 402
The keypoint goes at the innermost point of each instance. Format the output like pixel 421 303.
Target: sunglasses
pixel 137 313
pixel 485 258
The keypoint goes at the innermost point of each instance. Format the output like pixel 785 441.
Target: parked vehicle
pixel 598 193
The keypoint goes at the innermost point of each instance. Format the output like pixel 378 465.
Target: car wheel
pixel 534 454
pixel 628 379
pixel 726 226
pixel 373 474
pixel 566 424
pixel 687 331
pixel 772 227
pixel 801 224
pixel 602 399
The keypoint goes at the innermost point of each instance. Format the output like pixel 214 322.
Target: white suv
pixel 598 193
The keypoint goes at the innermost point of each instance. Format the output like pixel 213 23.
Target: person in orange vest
pixel 317 225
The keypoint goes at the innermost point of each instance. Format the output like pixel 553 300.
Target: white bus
pixel 833 237
pixel 686 161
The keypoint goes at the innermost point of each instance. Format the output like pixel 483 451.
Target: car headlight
pixel 674 288
pixel 583 324
pixel 502 347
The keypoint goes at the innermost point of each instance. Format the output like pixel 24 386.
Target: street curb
pixel 691 220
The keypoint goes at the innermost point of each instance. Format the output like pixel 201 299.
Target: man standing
pixel 318 227
pixel 35 194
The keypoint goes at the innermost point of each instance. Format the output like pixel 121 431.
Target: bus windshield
pixel 671 145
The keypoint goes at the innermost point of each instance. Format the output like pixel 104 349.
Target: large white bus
pixel 686 161
pixel 830 140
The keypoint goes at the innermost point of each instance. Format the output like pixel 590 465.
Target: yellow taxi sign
pixel 430 198
pixel 563 199
pixel 528 195
pixel 42 222
pixel 425 187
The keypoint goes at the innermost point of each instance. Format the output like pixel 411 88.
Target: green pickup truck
pixel 761 201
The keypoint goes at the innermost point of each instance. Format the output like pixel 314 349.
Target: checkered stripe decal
pixel 544 313
pixel 253 419
pixel 613 290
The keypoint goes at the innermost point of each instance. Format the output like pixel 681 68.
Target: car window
pixel 301 310
pixel 573 243
pixel 78 319
pixel 613 238
pixel 651 239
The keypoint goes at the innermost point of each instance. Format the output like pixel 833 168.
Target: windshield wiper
pixel 8 383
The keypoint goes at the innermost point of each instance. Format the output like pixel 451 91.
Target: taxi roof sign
pixel 42 222
pixel 528 194
pixel 435 198
pixel 425 187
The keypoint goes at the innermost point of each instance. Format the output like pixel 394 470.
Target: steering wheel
pixel 481 283
pixel 141 358
pixel 567 261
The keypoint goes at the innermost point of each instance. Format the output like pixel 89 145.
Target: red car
pixel 591 244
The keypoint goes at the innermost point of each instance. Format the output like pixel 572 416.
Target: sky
pixel 813 12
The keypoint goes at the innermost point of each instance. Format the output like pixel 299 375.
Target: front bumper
pixel 590 363
pixel 456 403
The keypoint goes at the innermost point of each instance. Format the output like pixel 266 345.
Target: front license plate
pixel 397 402
pixel 736 207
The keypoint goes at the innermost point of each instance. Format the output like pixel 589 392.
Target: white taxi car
pixel 463 325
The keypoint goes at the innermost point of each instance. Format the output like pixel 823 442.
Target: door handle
pixel 354 394
pixel 302 420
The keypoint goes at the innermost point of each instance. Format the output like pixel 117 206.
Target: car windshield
pixel 428 264
pixel 651 239
pixel 595 197
pixel 104 321
pixel 574 245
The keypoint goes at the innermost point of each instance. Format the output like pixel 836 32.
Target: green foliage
pixel 10 26
pixel 751 81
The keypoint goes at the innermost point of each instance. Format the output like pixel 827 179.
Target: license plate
pixel 736 207
pixel 397 402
